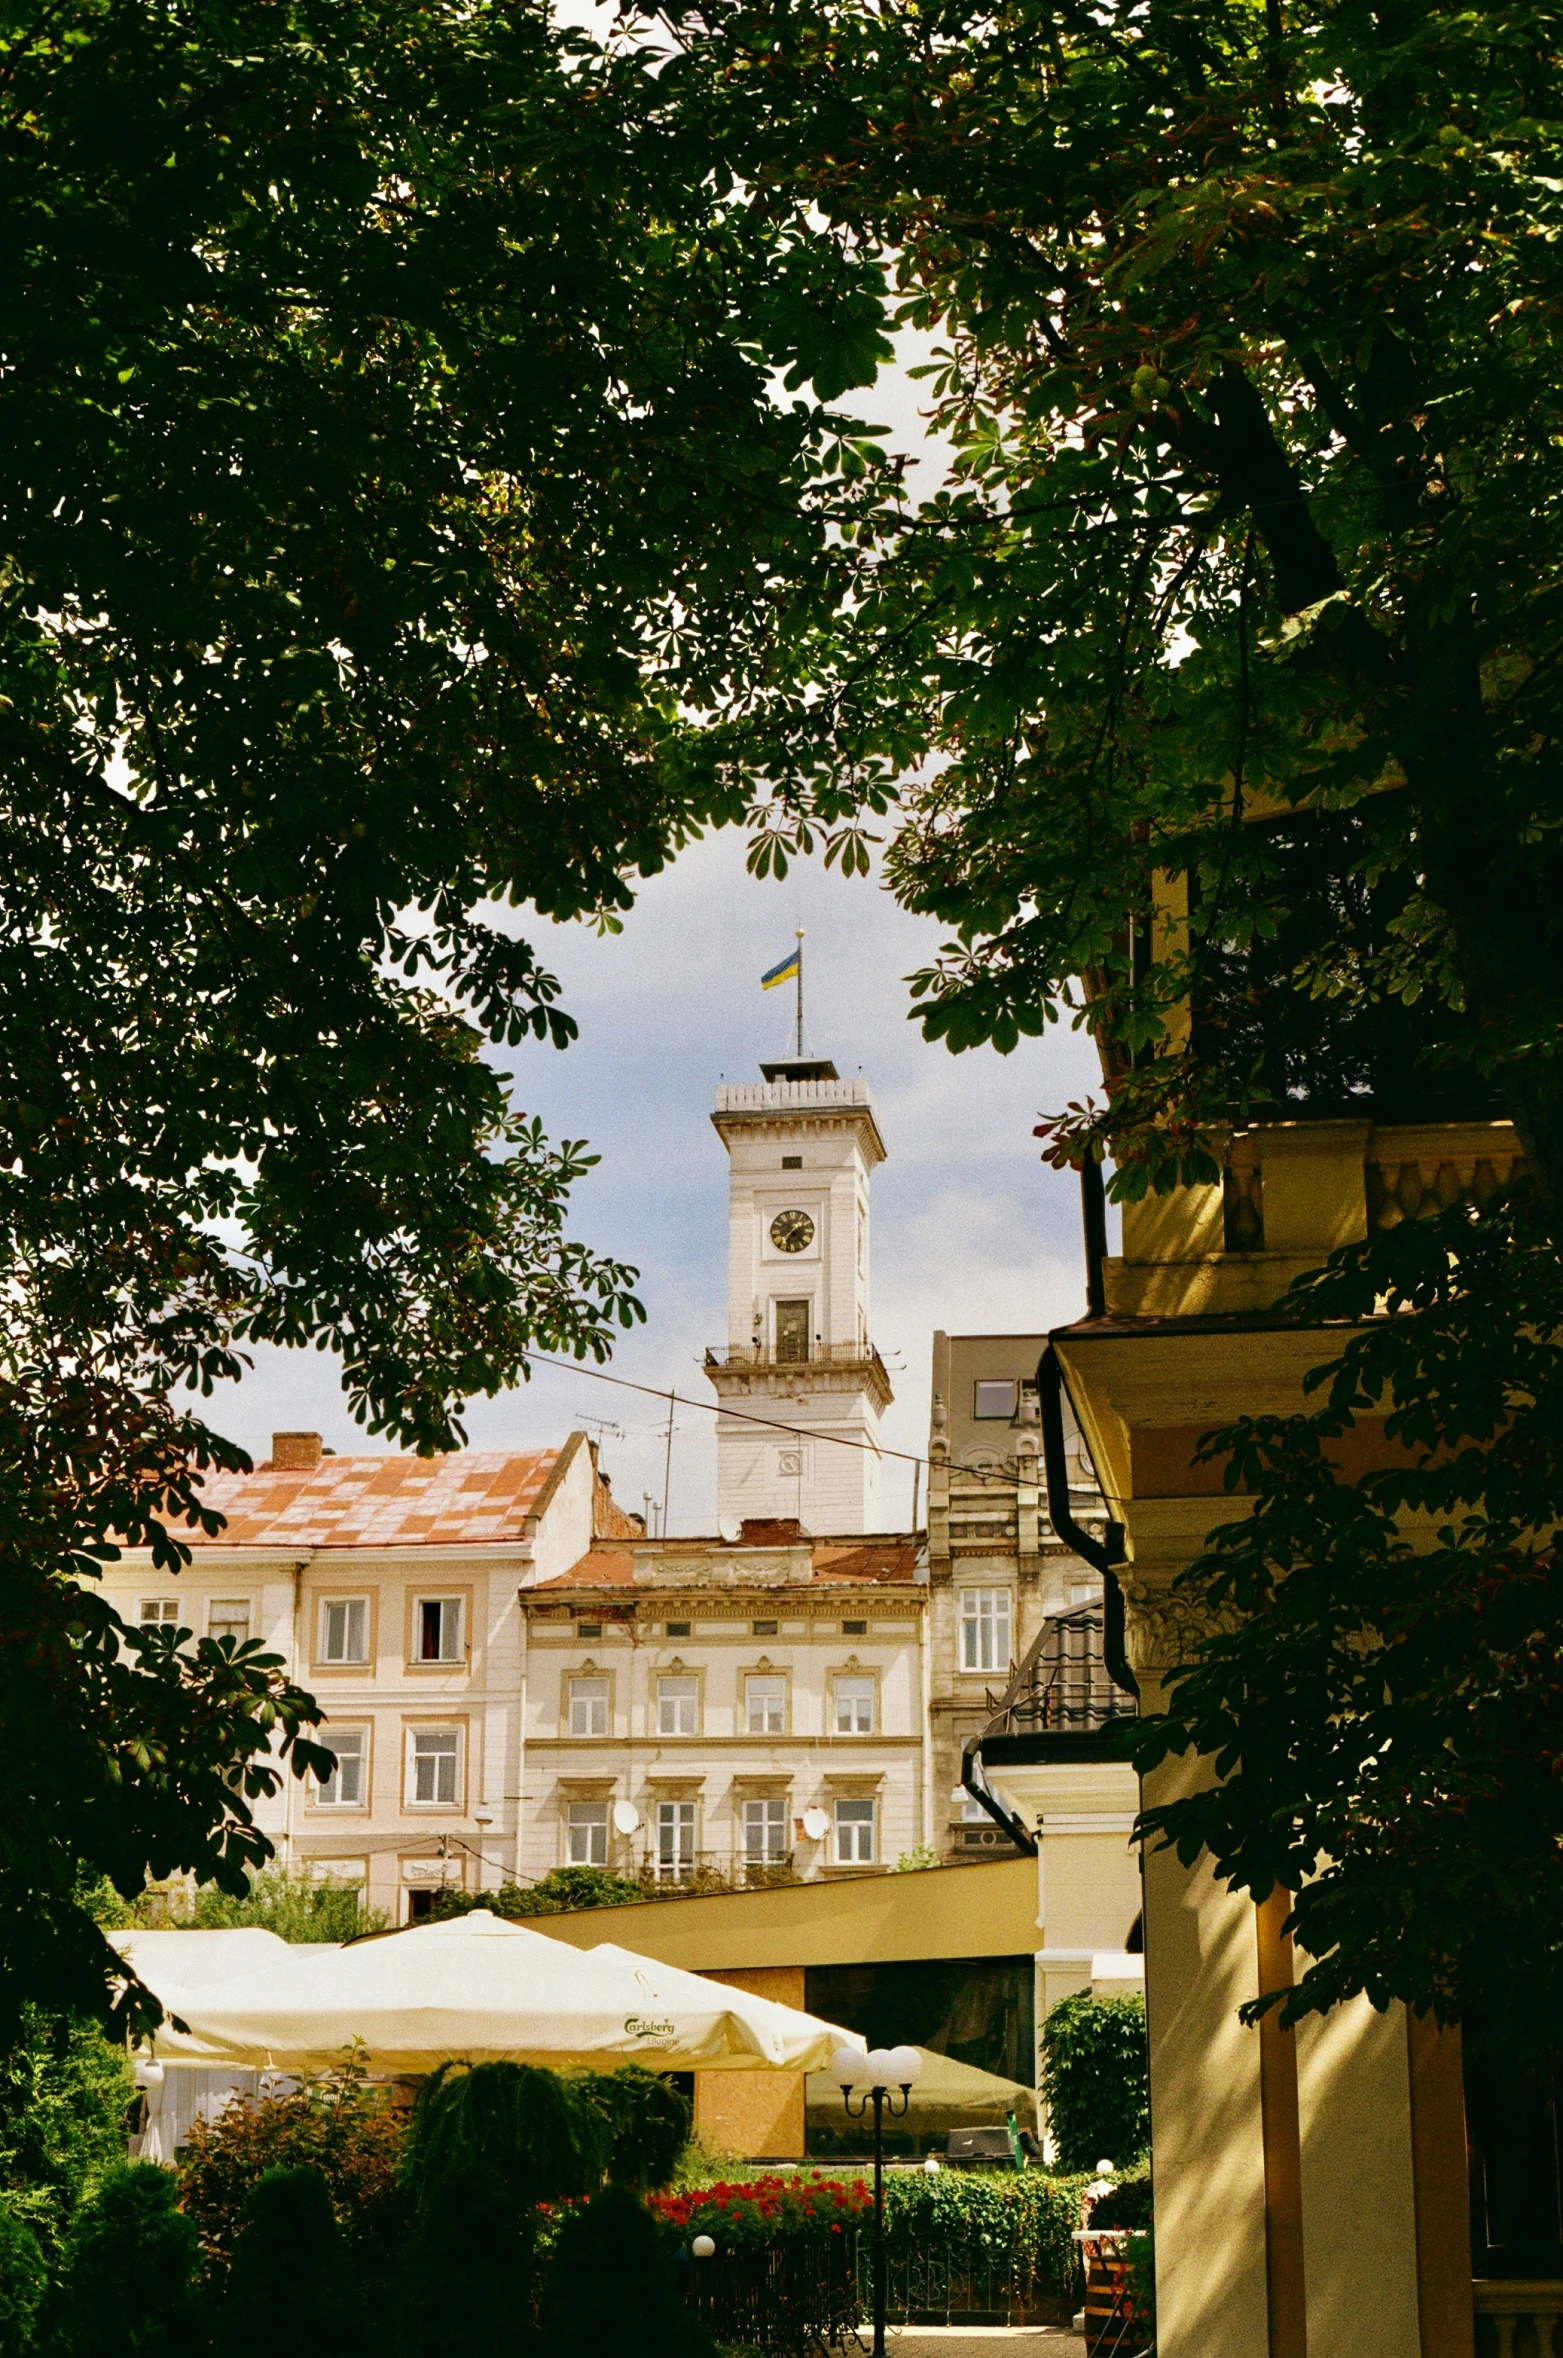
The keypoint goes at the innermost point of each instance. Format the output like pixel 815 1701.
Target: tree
pixel 394 502
pixel 64 2096
pixel 1226 675
pixel 290 2238
pixel 1096 2080
pixel 130 2269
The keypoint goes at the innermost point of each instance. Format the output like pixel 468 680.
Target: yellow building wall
pixel 757 2115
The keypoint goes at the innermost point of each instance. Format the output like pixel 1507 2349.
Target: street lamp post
pixel 871 2078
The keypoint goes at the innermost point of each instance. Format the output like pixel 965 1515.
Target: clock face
pixel 792 1232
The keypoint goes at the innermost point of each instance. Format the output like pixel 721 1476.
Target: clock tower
pixel 801 1146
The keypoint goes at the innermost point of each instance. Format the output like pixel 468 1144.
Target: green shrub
pixel 612 2287
pixel 1142 2282
pixel 647 2122
pixel 130 2269
pixel 64 2096
pixel 337 2125
pixel 469 2210
pixel 1128 2204
pixel 543 2137
pixel 563 1888
pixel 1096 2080
pixel 1027 2214
pixel 23 2282
pixel 289 2255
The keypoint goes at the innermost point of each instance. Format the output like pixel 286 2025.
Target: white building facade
pixel 802 1147
pixel 712 1714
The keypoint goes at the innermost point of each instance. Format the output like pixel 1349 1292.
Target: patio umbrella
pixel 479 1988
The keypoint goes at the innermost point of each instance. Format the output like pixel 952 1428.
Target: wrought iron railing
pixel 712 1870
pixel 1064 1682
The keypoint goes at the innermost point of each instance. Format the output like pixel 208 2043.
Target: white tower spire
pixel 801 1148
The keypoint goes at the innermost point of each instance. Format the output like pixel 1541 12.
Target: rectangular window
pixel 675 1839
pixel 586 1833
pixel 763 1628
pixel 854 1705
pixel 345 1787
pixel 436 1763
pixel 854 1833
pixel 984 1629
pixel 993 1397
pixel 794 1323
pixel 766 1699
pixel 159 1612
pixel 229 1617
pixel 589 1632
pixel 437 1629
pixel 792 1162
pixel 588 1707
pixel 765 1831
pixel 678 1705
pixel 675 1629
pixel 344 1629
pixel 854 1629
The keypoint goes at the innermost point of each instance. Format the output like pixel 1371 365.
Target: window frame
pixel 325 1601
pixel 665 1871
pixel 774 1809
pixel 973 1620
pixel 584 1677
pixel 860 1678
pixel 589 1815
pixel 994 1416
pixel 418 1599
pixel 777 1679
pixel 413 1729
pixel 339 1804
pixel 676 1735
pixel 858 1803
pixel 161 1619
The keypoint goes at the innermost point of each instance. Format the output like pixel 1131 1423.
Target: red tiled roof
pixel 465 1498
pixel 833 1560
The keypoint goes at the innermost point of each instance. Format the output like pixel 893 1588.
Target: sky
pixel 970 1231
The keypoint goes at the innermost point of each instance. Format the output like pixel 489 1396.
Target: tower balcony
pixel 826 1367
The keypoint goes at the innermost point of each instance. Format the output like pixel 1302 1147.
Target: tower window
pixel 792 1162
pixel 793 1321
pixel 993 1397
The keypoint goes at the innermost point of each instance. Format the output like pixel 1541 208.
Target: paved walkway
pixel 982 2341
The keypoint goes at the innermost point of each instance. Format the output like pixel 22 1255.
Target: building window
pixel 794 1322
pixel 159 1612
pixel 854 1629
pixel 345 1787
pixel 589 1632
pixel 678 1706
pixel 985 1629
pixel 763 1628
pixel 854 1833
pixel 437 1629
pixel 436 1764
pixel 766 1699
pixel 344 1629
pixel 229 1617
pixel 586 1833
pixel 854 1705
pixel 588 1707
pixel 675 1629
pixel 993 1397
pixel 675 1839
pixel 765 1831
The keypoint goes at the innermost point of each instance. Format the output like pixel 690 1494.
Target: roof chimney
pixel 295 1453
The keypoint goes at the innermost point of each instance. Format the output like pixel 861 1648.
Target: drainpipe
pixel 1101 1554
pixel 1093 1216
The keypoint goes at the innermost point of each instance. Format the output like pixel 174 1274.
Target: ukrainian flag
pixel 784 972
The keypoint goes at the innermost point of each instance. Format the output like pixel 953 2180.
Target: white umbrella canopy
pixel 482 1989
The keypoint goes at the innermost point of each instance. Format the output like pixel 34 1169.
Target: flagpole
pixel 799 1050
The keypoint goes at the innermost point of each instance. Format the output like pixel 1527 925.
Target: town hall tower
pixel 801 1145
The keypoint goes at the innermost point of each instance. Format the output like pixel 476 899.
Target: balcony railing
pixel 712 1870
pixel 739 1097
pixel 1063 1683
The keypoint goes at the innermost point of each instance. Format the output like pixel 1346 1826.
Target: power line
pixel 770 1424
